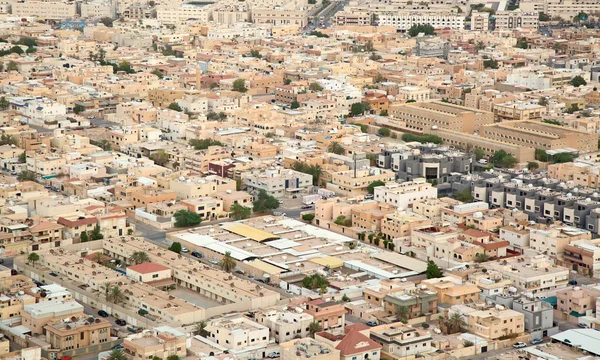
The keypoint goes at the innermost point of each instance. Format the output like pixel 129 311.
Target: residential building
pixel 239 334
pixel 50 10
pixel 575 302
pixel 417 300
pixel 160 342
pixel 277 182
pixel 401 340
pixel 552 240
pixel 405 20
pixel 480 21
pixel 533 274
pixel 516 19
pixel 77 333
pixel 403 194
pixel 307 348
pixel 583 256
pixel 148 272
pixel 492 323
pixel 285 324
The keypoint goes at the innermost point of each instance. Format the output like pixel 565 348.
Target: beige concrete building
pixel 480 21
pixel 77 333
pixel 401 195
pixel 536 274
pixel 492 323
pixel 355 18
pixel 285 324
pixel 50 10
pixel 516 19
pixel 425 115
pixel 148 272
pixel 346 181
pixel 302 349
pixel 238 334
pixel 552 239
pixel 519 111
pixel 155 343
pixel 280 16
pixel 37 316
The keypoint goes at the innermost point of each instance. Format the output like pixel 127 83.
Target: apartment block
pixel 78 333
pixel 160 342
pixel 356 182
pixel 480 21
pixel 492 323
pixel 516 110
pixel 583 256
pixel 401 195
pixel 516 19
pixel 533 274
pixel 285 324
pixel 353 18
pixel 277 182
pixel 239 334
pixel 417 300
pixel 405 20
pixel 402 341
pixel 49 10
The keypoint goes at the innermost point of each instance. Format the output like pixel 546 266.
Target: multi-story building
pixel 98 9
pixel 178 15
pixel 538 314
pixel 432 47
pixel 400 224
pixel 583 256
pixel 77 333
pixel 575 302
pixel 356 182
pixel 533 274
pixel 286 324
pixel 353 18
pixel 552 240
pixel 329 315
pixel 417 300
pixel 492 323
pixel 280 16
pixel 161 342
pixel 516 19
pixel 277 182
pixel 405 20
pixel 239 334
pixel 37 316
pixel 50 10
pixel 514 110
pixel 566 9
pixel 402 341
pixel 405 193
pixel 307 348
pixel 425 115
pixel 480 21
pixel 451 291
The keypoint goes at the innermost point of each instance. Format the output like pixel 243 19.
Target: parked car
pixel 372 323
pixel 519 345
pixel 1 261
pixel 134 329
pixel 572 282
pixel 369 196
pixel 13 272
pixel 185 250
pixel 583 326
pixel 536 341
pixel 197 254
pixel 280 201
pixel 121 322
pixel 274 354
pixel 102 313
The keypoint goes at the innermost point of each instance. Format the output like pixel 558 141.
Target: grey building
pixel 538 315
pixel 543 200
pixel 432 47
pixel 432 162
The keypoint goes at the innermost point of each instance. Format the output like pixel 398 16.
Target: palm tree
pixel 313 328
pixel 116 296
pixel 105 288
pixel 32 258
pixel 117 354
pixel 200 329
pixel 99 257
pixel 455 322
pixel 403 312
pixel 139 257
pixel 228 263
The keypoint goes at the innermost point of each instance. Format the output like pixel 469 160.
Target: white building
pixel 243 337
pixel 52 10
pixel 181 14
pixel 278 182
pixel 405 193
pixel 98 9
pixel 405 20
pixel 516 19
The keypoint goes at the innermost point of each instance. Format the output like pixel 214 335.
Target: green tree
pixel 78 109
pixel 23 158
pixel 175 106
pixel 4 104
pixel 314 170
pixel 509 161
pixel 116 295
pixel 336 148
pixel 455 322
pixel 265 202
pixel 543 101
pixel 314 86
pixel 543 17
pixel 27 41
pixel 26 175
pixel 30 50
pixel 522 44
pixel 373 185
pixel 369 46
pixel 532 165
pixel 175 247
pixel 498 156
pixel 479 153
pixel 578 81
pixel 480 45
pixel 383 112
pixel 185 218
pixel 239 85
pixel 481 257
pixel 96 234
pixel 108 22
pixel 423 139
pixel 6 139
pixel 295 104
pixel 240 212
pixel 433 271
pixel 563 158
pixel 464 196
pixel 357 109
pixel 379 78
pixel 417 29
pixel 83 237
pixel 33 258
pixel 139 257
pixel 384 131
pixel 317 33
pixel 314 281
pixel 158 73
pixel 203 144
pixel 375 56
pixel 313 328
pixel 228 263
pixel 173 357
pixel 308 217
pixel 124 66
pixel 117 354
pixel 12 66
pixel 345 298
pixel 255 54
pixel 160 158
pixel 403 313
pixel 200 329
pixel 287 81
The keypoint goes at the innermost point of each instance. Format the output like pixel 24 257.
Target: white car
pixel 281 201
pixel 519 345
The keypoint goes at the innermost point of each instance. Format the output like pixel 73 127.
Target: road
pixel 322 19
